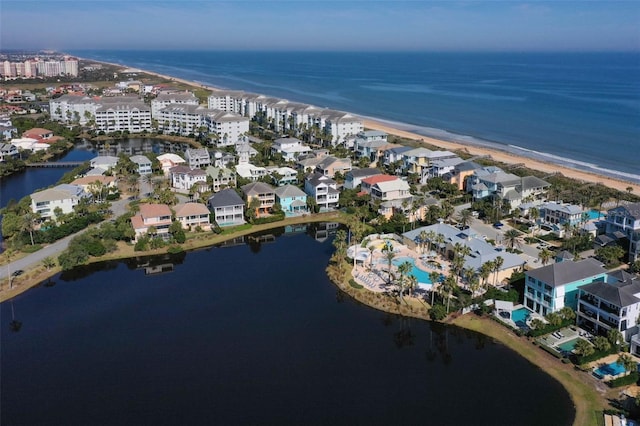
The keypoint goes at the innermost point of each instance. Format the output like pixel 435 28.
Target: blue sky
pixel 322 25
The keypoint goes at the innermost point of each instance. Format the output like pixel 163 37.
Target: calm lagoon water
pixel 249 334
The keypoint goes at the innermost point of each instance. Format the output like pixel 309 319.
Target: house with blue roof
pixel 292 199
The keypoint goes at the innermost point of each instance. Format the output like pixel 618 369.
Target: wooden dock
pixel 68 164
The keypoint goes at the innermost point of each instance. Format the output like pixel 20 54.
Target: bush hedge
pixel 550 328
pixel 629 379
pixel 595 356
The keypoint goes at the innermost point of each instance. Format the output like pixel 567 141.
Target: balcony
pixel 610 323
pixel 590 300
pixel 610 309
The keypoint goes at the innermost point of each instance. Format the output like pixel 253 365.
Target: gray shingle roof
pixel 289 191
pixel 622 292
pixel 566 272
pixel 226 197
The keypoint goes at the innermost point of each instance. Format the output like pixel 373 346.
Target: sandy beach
pixel 497 155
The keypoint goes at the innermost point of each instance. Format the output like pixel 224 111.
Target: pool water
pixel 421 276
pixel 568 346
pixel 613 369
pixel 520 316
pixel 594 214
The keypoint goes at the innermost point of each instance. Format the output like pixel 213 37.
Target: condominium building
pixel 123 114
pixel 164 100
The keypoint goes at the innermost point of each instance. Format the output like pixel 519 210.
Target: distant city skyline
pixel 322 25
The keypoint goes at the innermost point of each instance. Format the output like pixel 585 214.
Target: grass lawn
pixel 589 402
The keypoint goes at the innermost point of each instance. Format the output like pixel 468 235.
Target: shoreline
pixel 497 154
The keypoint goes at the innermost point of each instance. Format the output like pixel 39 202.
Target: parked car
pixel 498 225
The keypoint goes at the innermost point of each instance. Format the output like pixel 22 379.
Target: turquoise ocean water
pixel 577 109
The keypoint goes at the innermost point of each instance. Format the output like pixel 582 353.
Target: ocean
pixel 577 109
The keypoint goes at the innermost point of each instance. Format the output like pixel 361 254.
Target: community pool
pixel 613 369
pixel 568 346
pixel 520 316
pixel 421 276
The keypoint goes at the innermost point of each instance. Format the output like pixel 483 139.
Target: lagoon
pixel 249 334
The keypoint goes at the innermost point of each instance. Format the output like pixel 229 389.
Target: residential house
pixel 8 151
pixel 251 172
pixel 289 148
pixel 169 160
pixel 292 199
pixel 184 177
pixel 552 287
pixel 192 215
pixel 221 178
pixel 105 162
pixel 440 167
pixel 245 153
pixel 611 303
pixel 372 150
pixel 227 208
pixel 143 163
pixel 418 160
pixel 481 251
pixel 222 159
pixel 388 190
pixel 354 177
pixel 197 158
pixel 396 155
pixel 157 216
pixel 39 134
pixel 65 196
pixel 626 219
pixel 283 175
pixel 460 173
pixel 323 190
pixel 97 185
pixel 559 216
pixel 367 183
pixel 263 192
pixel 331 165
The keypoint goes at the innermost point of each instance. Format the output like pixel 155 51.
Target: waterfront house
pixel 143 163
pixel 39 134
pixel 8 151
pixel 558 215
pixel 251 172
pixel 184 178
pixel 354 178
pixel 292 199
pixel 192 215
pixel 64 196
pixel 611 303
pixel 157 216
pixel 261 191
pixel 97 185
pixel 221 178
pixel 197 158
pixel 323 189
pixel 625 219
pixel 418 160
pixel 227 208
pixel 460 173
pixel 552 287
pixel 104 162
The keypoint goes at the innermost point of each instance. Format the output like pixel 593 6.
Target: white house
pixel 289 148
pixel 169 160
pixel 64 196
pixel 197 157
pixel 184 177
pixel 143 163
pixel 323 189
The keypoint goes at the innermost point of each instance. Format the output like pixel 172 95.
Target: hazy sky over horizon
pixel 321 25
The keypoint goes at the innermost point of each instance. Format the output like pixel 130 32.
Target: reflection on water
pixel 247 338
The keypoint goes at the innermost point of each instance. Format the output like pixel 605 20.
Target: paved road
pixel 53 250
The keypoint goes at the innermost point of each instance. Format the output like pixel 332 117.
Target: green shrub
pixel 629 379
pixel 438 312
pixel 354 284
pixel 175 249
pixel 595 356
pixel 31 248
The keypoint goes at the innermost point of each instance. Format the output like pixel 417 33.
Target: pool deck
pixel 373 272
pixel 608 360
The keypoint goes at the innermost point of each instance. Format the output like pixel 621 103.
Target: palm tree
pixel 497 264
pixel 423 239
pixel 434 277
pixel 627 362
pixel 449 286
pixel 48 262
pixel 465 217
pixel 371 248
pixel 30 219
pixel 512 238
pixel 340 243
pixel 387 250
pixel 439 240
pixel 403 269
pixel 485 271
pixel 534 214
pixel 545 255
pixel 412 283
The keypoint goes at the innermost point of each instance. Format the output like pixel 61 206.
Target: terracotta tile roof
pixel 154 210
pixel 379 178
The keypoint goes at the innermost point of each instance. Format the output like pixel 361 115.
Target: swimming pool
pixel 568 346
pixel 520 316
pixel 594 214
pixel 421 276
pixel 613 369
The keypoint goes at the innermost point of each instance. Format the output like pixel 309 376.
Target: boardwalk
pixel 57 164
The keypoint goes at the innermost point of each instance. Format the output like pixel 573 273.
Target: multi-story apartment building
pixel 229 128
pixel 68 108
pixel 182 119
pixel 164 100
pixel 626 219
pixel 129 115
